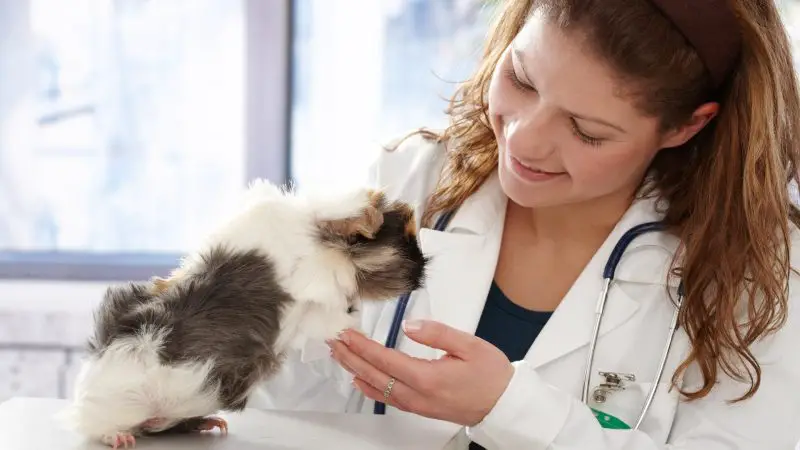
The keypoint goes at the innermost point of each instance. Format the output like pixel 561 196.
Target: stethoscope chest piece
pixel 616 400
pixel 614 382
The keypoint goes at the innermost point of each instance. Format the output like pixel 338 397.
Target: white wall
pixel 45 315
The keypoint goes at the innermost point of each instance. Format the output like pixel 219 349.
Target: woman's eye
pixel 512 76
pixel 585 138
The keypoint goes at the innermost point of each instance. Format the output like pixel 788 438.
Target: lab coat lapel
pixel 464 257
pixel 570 327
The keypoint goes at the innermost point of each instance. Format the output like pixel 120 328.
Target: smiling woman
pixel 590 142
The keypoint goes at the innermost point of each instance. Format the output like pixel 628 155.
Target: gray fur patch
pixel 229 310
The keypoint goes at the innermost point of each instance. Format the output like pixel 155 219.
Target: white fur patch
pixel 127 385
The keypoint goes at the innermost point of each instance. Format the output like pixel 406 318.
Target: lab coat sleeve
pixel 532 414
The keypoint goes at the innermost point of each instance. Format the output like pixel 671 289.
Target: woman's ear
pixel 700 118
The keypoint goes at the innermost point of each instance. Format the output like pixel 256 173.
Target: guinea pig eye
pixel 356 239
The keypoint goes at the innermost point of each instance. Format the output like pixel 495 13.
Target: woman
pixel 586 118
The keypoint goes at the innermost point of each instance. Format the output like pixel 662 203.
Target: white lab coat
pixel 541 408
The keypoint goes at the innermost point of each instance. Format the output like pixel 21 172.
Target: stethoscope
pixel 608 276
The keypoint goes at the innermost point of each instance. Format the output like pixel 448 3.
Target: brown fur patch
pixel 366 224
pixel 411 221
pixel 378 259
pixel 159 285
pixel 377 199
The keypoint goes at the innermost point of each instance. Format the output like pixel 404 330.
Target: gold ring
pixel 388 391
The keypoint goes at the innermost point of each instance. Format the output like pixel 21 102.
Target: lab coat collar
pixel 463 260
pixel 483 211
pixel 463 257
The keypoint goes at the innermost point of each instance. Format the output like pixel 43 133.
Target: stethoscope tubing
pixel 609 271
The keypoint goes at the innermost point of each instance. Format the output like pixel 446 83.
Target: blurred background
pixel 128 126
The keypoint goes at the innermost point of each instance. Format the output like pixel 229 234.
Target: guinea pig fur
pixel 286 268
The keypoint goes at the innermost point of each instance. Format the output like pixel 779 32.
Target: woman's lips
pixel 532 174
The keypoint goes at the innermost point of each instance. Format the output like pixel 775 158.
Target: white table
pixel 29 424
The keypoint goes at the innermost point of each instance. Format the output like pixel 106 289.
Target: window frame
pixel 268 56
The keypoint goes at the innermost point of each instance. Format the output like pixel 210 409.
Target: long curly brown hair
pixel 726 190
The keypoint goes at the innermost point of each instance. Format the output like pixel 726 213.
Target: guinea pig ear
pixel 366 223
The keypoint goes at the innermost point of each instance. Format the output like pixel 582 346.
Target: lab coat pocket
pixel 621 409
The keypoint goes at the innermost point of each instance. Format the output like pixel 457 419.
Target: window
pixel 127 126
pixel 369 72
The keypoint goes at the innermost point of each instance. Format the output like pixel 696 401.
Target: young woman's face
pixel 564 132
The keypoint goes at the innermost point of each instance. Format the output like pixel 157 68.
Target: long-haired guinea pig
pixel 286 268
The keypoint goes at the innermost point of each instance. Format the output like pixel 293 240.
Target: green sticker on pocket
pixel 608 421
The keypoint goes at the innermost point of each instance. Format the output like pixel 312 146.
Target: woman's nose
pixel 531 134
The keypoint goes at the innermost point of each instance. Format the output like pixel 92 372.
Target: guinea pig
pixel 167 354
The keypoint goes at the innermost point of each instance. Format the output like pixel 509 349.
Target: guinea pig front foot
pixel 200 424
pixel 120 439
pixel 209 423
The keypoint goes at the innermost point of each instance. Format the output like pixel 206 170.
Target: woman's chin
pixel 533 195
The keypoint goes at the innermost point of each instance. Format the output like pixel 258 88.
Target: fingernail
pixel 344 337
pixel 412 325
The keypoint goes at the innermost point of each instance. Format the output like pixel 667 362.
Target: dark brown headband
pixel 711 28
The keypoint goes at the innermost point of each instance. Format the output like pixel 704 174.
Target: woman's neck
pixel 544 250
pixel 585 222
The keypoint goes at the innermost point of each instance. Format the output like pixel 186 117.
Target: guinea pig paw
pixel 120 440
pixel 209 423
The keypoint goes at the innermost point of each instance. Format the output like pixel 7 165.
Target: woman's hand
pixel 461 387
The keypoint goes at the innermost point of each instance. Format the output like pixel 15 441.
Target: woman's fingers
pixel 373 382
pixel 440 336
pixel 413 371
pixel 357 366
pixel 395 399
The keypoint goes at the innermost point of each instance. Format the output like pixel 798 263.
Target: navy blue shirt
pixel 509 327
